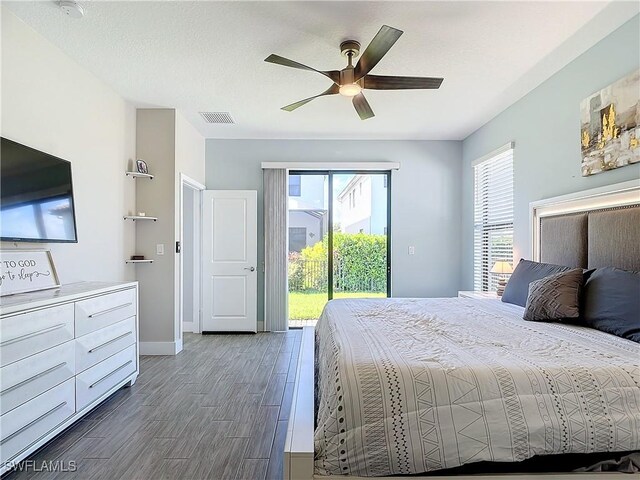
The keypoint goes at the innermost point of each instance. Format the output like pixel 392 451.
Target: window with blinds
pixel 493 216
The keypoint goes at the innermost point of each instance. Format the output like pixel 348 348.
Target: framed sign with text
pixel 24 271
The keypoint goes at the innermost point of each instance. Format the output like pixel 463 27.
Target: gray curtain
pixel 276 285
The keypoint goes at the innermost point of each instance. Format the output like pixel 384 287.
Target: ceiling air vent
pixel 217 117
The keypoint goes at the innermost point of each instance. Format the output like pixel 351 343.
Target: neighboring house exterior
pixel 308 219
pixel 362 205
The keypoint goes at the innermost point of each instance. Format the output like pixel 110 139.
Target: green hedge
pixel 359 264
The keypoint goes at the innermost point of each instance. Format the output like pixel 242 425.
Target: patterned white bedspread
pixel 414 385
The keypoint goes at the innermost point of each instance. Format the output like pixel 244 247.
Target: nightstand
pixel 479 295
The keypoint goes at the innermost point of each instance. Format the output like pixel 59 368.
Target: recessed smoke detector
pixel 217 117
pixel 71 9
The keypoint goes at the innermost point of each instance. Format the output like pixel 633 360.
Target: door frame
pixel 197 187
pixel 330 173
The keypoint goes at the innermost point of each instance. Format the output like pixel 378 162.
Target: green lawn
pixel 308 306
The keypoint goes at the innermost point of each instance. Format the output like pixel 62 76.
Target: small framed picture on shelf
pixel 141 166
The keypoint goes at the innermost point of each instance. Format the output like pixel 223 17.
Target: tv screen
pixel 36 196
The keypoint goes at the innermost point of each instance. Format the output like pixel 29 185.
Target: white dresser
pixel 62 352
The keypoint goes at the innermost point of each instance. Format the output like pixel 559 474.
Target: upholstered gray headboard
pixel 563 240
pixel 607 237
pixel 599 228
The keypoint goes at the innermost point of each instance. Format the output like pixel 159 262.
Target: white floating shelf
pixel 138 217
pixel 139 175
pixel 138 261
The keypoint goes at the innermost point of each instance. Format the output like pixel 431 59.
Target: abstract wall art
pixel 610 126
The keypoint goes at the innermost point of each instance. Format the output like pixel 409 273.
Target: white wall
pixel 189 150
pixel 188 243
pixel 378 205
pixel 52 104
pixel 356 215
pixel 312 194
pixel 189 160
pixel 316 227
pixel 425 210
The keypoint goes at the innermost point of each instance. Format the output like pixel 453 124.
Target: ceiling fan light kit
pixel 350 81
pixel 350 89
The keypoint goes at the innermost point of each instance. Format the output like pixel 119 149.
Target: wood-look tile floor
pixel 218 410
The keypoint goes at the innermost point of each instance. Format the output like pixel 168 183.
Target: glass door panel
pixel 308 246
pixel 360 228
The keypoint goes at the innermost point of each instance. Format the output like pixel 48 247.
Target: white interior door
pixel 229 261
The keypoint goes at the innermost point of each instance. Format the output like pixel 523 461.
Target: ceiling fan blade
pixel 332 90
pixel 334 75
pixel 379 46
pixel 382 82
pixel 362 107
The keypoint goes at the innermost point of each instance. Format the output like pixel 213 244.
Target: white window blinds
pixel 493 216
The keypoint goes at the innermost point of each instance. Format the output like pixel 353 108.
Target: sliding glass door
pixel 360 235
pixel 308 246
pixel 339 242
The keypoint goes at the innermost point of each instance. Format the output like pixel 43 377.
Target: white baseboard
pixel 188 326
pixel 160 348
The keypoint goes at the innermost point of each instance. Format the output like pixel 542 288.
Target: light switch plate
pixel 160 249
pixel 412 250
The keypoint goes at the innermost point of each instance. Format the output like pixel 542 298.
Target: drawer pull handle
pixel 109 342
pixel 32 334
pixel 31 379
pixel 109 310
pixel 32 423
pixel 109 374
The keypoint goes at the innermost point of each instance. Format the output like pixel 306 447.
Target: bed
pixel 411 386
pixel 418 385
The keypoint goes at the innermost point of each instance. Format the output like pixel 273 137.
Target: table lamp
pixel 502 269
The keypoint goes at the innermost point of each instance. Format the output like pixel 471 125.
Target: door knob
pixel 251 269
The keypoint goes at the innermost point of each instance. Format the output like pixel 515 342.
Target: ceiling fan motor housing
pixel 347 76
pixel 350 47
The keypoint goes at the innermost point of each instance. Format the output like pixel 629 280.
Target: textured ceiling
pixel 208 56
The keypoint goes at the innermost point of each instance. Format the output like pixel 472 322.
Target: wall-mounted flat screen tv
pixel 36 196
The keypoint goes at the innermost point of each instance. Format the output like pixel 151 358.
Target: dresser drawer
pixel 101 344
pixel 29 333
pixel 27 378
pixel 27 423
pixel 98 312
pixel 100 378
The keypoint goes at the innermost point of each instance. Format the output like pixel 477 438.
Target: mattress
pixel 407 386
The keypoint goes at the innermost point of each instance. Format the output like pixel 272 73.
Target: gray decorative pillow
pixel 526 271
pixel 555 297
pixel 611 302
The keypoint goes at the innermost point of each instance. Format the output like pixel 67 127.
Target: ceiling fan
pixel 350 81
